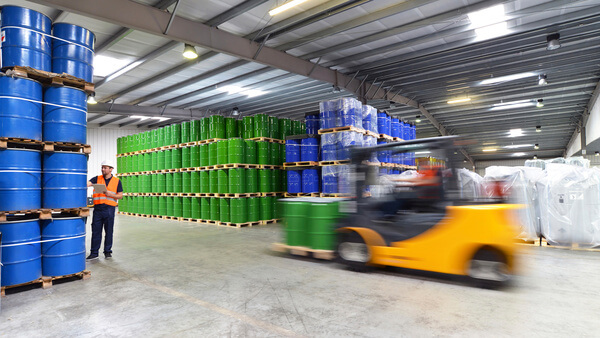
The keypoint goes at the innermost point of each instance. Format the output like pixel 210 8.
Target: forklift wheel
pixel 353 252
pixel 488 269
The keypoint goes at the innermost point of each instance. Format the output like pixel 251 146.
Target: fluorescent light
pixel 160 119
pixel 487 150
pixel 492 31
pixel 139 117
pixel 122 71
pixel 189 52
pixel 422 152
pixel 105 65
pixel 511 105
pixel 253 92
pixel 507 78
pixel 239 90
pixel 519 154
pixel 515 132
pixel 515 146
pixel 285 7
pixel 487 16
pixel 466 99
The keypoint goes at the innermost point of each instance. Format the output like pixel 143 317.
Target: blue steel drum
pixel 401 128
pixel 388 122
pixel 62 254
pixel 329 147
pixel 20 118
pixel 75 56
pixel 406 131
pixel 24 42
pixel 413 132
pixel 395 127
pixel 310 181
pixel 64 180
pixel 292 151
pixel 20 263
pixel 66 124
pixel 309 150
pixel 383 155
pixel 20 179
pixel 382 126
pixel 327 114
pixel 312 124
pixel 330 179
pixel 294 181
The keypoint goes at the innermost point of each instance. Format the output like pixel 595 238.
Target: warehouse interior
pixel 517 80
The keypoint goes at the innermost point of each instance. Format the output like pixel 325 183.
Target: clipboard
pixel 99 188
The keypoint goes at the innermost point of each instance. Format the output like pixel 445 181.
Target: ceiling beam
pixel 126 110
pixel 132 121
pixel 233 12
pixel 118 118
pixel 94 118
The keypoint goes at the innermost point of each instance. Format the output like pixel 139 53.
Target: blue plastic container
pixel 329 179
pixel 292 151
pixel 347 112
pixel 20 118
pixel 406 132
pixel 26 39
pixel 329 147
pixel 395 127
pixel 20 179
pixel 327 114
pixel 64 180
pixel 382 125
pixel 65 124
pixel 309 150
pixel 20 263
pixel 294 182
pixel 310 181
pixel 312 124
pixel 63 255
pixel 383 155
pixel 73 51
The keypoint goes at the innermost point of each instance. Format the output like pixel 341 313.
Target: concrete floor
pixel 186 279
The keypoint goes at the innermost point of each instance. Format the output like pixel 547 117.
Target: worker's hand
pixel 109 194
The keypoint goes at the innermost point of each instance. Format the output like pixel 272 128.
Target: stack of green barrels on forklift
pixel 229 210
pixel 310 221
pixel 212 127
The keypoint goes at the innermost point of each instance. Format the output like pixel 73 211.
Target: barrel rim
pixel 59 218
pixel 67 87
pixel 21 78
pixel 21 149
pixel 29 9
pixel 72 24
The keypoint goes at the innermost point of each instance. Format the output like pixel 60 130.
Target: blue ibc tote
pixel 64 118
pixel 292 151
pixel 20 108
pixel 26 39
pixel 294 182
pixel 310 181
pixel 73 51
pixel 64 253
pixel 329 146
pixel 21 262
pixel 20 179
pixel 309 149
pixel 64 180
pixel 329 179
pixel 327 114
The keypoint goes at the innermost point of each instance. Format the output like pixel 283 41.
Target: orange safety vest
pixel 112 187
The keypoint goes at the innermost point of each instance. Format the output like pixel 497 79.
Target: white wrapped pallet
pixel 470 184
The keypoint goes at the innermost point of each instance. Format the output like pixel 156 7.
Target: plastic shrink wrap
pixel 470 184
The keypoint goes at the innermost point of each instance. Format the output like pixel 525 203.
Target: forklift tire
pixel 488 269
pixel 352 251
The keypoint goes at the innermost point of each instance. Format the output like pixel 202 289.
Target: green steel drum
pixel 240 127
pixel 251 152
pixel 123 204
pixel 282 153
pixel 169 159
pixel 185 133
pixel 161 137
pixel 266 208
pixel 212 154
pixel 167 136
pixel 285 128
pixel 321 227
pixel 277 208
pixel 162 206
pixel 204 186
pixel 143 183
pixel 195 156
pixel 296 222
pixel 252 209
pixel 195 206
pixel 133 163
pixel 222 152
pixel 204 133
pixel 133 184
pixel 231 129
pixel 155 205
pixel 195 181
pixel 154 161
pixel 169 186
pixel 223 181
pixel 178 207
pixel 176 158
pixel 186 159
pixel 238 210
pixel 205 208
pixel 215 207
pixel 213 182
pixel 147 162
pixel 186 207
pixel 177 182
pixel 147 205
pixel 216 127
pixel 252 180
pixel 224 210
pixel 276 179
pixel 276 154
pixel 302 128
pixel 264 180
pixel 186 182
pixel 155 138
pixel 262 152
pixel 136 142
pixel 237 181
pixel 204 155
pixel 236 150
pixel 154 184
pixel 160 160
pixel 170 206
pixel 176 134
pixel 274 127
pixel 161 183
pixel 194 131
pixel 247 127
pixel 261 125
pixel 296 127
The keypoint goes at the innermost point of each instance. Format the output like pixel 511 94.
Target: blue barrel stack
pixel 32 178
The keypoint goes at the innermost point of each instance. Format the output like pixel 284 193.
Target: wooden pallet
pixel 208 221
pixel 183 170
pixel 268 194
pixel 46 213
pixel 267 139
pixel 236 195
pixel 341 129
pixel 183 219
pixel 239 225
pixel 46 281
pixel 337 195
pixel 397 139
pixel 187 144
pixel 66 146
pixel 385 137
pixel 372 134
pixel 314 194
pixel 342 162
pixel 269 221
pixel 13 142
pixel 269 166
pixel 211 140
pixel 300 164
pixel 240 165
pixel 303 251
pixel 49 78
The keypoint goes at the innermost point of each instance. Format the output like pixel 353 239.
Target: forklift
pixel 445 234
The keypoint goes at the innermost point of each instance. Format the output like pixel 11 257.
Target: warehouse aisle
pixel 188 279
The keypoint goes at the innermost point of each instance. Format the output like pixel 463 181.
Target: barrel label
pixel 3 36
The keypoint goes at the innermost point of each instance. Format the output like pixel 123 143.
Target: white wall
pixel 592 129
pixel 104 146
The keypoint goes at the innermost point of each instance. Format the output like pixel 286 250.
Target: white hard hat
pixel 108 164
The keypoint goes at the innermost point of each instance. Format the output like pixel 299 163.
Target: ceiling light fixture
pixel 511 105
pixel 538 129
pixel 235 111
pixel 515 146
pixel 540 103
pixel 536 146
pixel 489 22
pixel 542 80
pixel 515 132
pixel 507 78
pixel 535 157
pixel 139 117
pixel 285 7
pixel 519 154
pixel 597 154
pixel 553 41
pixel 466 99
pixel 487 150
pixel 418 119
pixel 91 99
pixel 189 52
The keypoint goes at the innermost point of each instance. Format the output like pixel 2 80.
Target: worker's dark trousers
pixel 104 217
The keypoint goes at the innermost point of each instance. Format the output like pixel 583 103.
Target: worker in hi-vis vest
pixel 105 203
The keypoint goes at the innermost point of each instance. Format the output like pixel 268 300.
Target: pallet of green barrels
pixel 309 225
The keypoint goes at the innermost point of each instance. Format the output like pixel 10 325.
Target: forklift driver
pixel 426 187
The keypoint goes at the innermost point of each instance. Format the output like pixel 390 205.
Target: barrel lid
pixel 67 23
pixel 20 219
pixel 21 149
pixel 63 217
pixel 29 9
